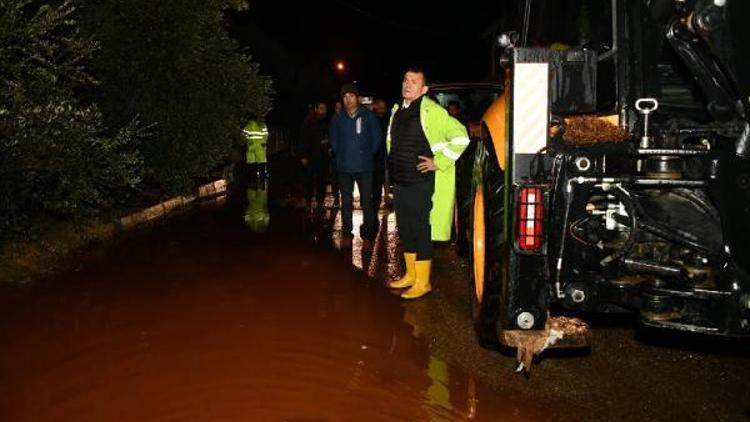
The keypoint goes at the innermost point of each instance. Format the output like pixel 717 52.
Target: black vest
pixel 408 141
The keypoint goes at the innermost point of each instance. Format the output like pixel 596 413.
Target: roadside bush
pixel 55 161
pixel 171 63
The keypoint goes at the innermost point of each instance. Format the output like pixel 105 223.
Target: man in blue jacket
pixel 355 137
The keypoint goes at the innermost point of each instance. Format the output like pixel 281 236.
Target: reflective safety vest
pixel 256 134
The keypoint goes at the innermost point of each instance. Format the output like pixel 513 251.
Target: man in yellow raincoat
pixel 423 143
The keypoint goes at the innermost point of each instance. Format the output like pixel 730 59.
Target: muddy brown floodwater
pixel 202 319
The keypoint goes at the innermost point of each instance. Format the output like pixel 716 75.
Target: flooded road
pixel 218 316
pixel 203 319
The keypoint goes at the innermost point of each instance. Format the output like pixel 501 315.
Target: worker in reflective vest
pixel 256 134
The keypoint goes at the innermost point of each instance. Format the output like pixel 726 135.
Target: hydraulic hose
pixel 668 234
pixel 652 268
pixel 700 202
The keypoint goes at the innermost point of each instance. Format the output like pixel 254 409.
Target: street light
pixel 340 66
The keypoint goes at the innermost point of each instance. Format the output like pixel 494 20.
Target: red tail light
pixel 530 219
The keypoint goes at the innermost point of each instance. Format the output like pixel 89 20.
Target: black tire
pixel 464 200
pixel 489 180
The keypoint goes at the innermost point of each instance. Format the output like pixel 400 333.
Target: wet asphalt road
pixel 203 319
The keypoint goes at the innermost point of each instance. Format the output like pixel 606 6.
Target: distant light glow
pixel 340 66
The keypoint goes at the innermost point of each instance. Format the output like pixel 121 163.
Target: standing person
pixel 379 175
pixel 423 144
pixel 355 137
pixel 454 109
pixel 333 173
pixel 256 135
pixel 315 154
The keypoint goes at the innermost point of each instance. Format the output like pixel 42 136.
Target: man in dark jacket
pixel 355 136
pixel 315 154
pixel 379 175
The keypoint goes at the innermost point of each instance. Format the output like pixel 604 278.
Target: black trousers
pixel 413 204
pixel 316 178
pixel 364 183
pixel 333 173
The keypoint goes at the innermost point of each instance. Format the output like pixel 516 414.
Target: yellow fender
pixel 496 121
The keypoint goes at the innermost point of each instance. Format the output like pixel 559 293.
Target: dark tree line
pixel 105 99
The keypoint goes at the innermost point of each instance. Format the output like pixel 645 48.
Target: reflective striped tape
pixel 530 107
pixel 455 141
pixel 451 154
pixel 442 147
pixel 439 146
pixel 460 141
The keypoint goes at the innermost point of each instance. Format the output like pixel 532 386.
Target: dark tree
pixel 171 64
pixel 55 159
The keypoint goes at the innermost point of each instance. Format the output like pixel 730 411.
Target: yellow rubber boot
pixel 411 275
pixel 422 284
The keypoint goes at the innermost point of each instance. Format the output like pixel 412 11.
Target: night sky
pixel 298 44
